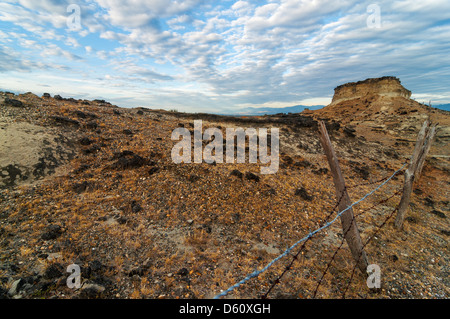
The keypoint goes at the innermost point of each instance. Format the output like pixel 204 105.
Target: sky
pixel 217 56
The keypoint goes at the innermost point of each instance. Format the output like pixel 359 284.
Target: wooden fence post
pixel 349 227
pixel 423 145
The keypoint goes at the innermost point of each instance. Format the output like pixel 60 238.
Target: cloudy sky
pixel 213 56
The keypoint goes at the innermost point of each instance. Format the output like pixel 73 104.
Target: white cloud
pixel 239 52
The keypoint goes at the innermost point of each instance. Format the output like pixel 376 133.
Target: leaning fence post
pixel 423 145
pixel 349 227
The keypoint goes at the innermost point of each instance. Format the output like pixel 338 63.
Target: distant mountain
pixel 272 110
pixel 445 107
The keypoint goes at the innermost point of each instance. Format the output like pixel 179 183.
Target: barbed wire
pixel 288 267
pixel 288 250
pixel 345 233
pixel 365 244
pixel 295 257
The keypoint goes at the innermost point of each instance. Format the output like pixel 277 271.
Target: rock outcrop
pixel 385 86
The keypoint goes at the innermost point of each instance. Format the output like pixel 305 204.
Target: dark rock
pixel 140 112
pixel 85 141
pixel 127 132
pixel 193 178
pixel 80 114
pixel 438 213
pixel 411 219
pixel 46 95
pixel 65 120
pixel 303 194
pixel 138 271
pixel 270 191
pixel 57 97
pixel 115 112
pixel 445 232
pixel 349 131
pixel 54 271
pixel 320 171
pixel 92 150
pixel 12 102
pixel 153 170
pixel 128 159
pixel 183 272
pixel 135 207
pixel 16 287
pixel 81 187
pixel 52 232
pixel 429 202
pixel 92 125
pixel 91 291
pixel 362 170
pixel 287 160
pixel 252 177
pixel 236 173
pixel 303 163
pixel 95 265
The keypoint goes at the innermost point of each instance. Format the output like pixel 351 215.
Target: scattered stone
pixel 429 201
pixel 65 120
pixel 411 219
pixel 252 177
pixel 85 141
pixel 349 131
pixel 183 272
pixel 92 125
pixel 54 256
pixel 127 132
pixel 153 170
pixel 52 232
pixel 445 232
pixel 303 194
pixel 135 207
pixel 438 213
pixel 362 170
pixel 320 171
pixel 42 256
pixel 54 271
pixel 128 159
pixel 236 173
pixel 92 150
pixel 138 271
pixel 12 102
pixel 15 287
pixel 193 178
pixel 303 163
pixel 90 291
pixel 95 265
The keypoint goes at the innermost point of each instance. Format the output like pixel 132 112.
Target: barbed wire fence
pixel 415 166
pixel 327 223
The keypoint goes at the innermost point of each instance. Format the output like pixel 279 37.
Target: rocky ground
pixel 92 184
